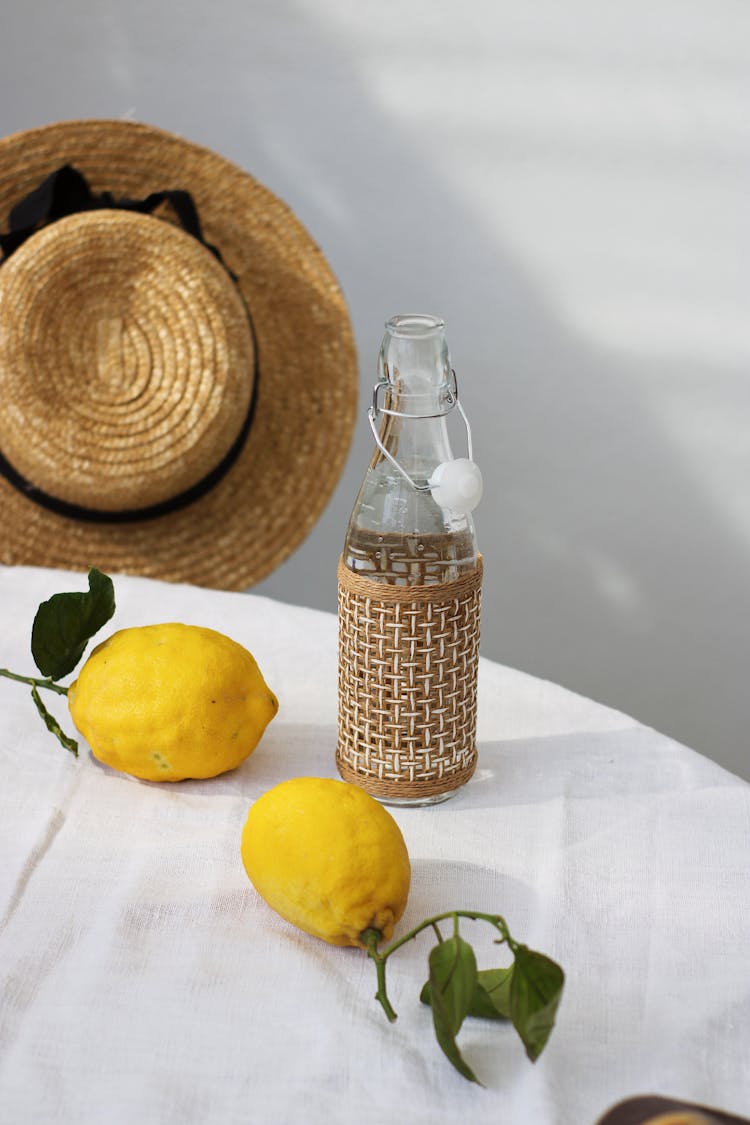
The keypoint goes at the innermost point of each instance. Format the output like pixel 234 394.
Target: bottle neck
pixel 414 363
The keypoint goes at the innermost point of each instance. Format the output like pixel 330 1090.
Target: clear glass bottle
pixel 398 533
pixel 400 736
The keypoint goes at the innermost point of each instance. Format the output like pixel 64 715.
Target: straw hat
pixel 168 406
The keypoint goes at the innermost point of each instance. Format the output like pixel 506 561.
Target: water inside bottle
pixel 402 537
pixel 410 560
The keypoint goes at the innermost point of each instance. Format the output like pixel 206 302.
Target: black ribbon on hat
pixel 66 192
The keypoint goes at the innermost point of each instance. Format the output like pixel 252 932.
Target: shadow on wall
pixel 609 568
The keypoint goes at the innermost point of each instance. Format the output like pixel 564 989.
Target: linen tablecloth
pixel 144 980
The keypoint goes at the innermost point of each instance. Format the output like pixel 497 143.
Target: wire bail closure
pixel 457 484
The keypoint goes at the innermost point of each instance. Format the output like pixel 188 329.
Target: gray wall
pixel 567 185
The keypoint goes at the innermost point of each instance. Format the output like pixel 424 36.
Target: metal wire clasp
pixel 449 397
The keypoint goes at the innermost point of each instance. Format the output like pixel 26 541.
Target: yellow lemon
pixel 328 858
pixel 167 702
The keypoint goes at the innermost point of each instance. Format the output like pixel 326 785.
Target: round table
pixel 144 980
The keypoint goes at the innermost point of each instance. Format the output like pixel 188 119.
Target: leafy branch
pixel 62 628
pixel 526 993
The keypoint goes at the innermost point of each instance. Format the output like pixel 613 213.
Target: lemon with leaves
pixel 329 858
pixel 168 702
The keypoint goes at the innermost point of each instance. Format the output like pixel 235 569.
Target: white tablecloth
pixel 143 979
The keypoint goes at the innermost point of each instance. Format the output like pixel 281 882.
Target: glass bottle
pixel 398 531
pixel 410 584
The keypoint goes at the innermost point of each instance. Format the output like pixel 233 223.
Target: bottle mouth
pixel 414 325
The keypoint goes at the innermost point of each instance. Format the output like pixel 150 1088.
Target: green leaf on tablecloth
pixel 491 999
pixel 535 991
pixel 65 623
pixel 453 977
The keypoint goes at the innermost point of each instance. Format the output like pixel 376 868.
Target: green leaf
pixel 491 999
pixel 447 1040
pixel 52 724
pixel 65 623
pixel 453 974
pixel 492 996
pixel 535 991
pixel 453 978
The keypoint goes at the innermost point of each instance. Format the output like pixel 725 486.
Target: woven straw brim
pixel 305 405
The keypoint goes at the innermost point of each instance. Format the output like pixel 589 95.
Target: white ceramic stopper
pixel 457 485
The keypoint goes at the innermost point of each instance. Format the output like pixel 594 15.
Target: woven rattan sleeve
pixel 408 658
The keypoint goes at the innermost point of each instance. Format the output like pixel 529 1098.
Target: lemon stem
pixel 52 724
pixel 475 915
pixel 34 681
pixel 370 938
